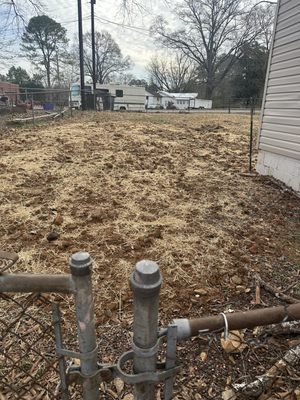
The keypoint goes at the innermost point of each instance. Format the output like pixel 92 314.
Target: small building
pixel 10 90
pixel 279 131
pixel 153 100
pixel 179 101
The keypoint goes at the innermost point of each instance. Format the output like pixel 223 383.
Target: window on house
pixel 119 93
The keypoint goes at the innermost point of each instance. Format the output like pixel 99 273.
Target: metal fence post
pixel 251 133
pixel 145 283
pixel 81 270
pixel 32 109
pixel 70 103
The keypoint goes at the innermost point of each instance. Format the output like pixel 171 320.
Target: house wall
pixel 283 168
pixel 182 104
pixel 165 100
pixel 203 103
pixel 279 136
pixel 10 90
pixel 152 101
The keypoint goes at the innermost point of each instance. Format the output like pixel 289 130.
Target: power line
pixel 135 29
pixel 86 18
pixel 69 7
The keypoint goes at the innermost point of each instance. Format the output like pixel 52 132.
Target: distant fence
pixel 33 356
pixel 39 96
pixel 36 101
pixel 237 103
pixel 31 106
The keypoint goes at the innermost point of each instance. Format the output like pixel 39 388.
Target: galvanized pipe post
pixel 251 133
pixel 81 270
pixel 145 282
pixel 32 109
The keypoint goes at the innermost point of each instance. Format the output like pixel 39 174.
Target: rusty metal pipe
pixel 29 283
pixel 238 320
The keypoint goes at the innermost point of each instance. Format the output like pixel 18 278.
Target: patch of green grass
pixel 25 365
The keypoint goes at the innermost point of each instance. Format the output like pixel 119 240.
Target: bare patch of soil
pixel 165 187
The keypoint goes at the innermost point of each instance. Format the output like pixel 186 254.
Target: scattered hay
pixel 132 186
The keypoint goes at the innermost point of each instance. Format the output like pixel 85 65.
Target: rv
pixel 121 97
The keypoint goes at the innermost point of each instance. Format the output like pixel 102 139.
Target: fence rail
pixel 33 356
pixel 38 100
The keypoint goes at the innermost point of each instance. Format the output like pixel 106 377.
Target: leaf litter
pixel 166 187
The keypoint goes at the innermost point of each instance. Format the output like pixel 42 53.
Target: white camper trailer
pixel 125 97
pixel 131 98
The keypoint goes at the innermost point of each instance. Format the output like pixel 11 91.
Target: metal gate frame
pixel 145 282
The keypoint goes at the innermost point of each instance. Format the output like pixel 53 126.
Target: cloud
pixel 131 32
pixel 132 36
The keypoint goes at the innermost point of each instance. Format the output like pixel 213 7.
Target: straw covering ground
pixel 166 187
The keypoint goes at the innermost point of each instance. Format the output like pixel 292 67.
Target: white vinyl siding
pixel 280 120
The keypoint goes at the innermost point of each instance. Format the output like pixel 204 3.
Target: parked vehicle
pixel 131 98
pixel 111 96
pixel 75 96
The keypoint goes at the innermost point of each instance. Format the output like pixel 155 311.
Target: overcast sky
pixel 131 33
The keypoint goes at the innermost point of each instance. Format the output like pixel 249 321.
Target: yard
pixel 167 187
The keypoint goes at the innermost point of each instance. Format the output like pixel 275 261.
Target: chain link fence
pixel 260 363
pixel 28 361
pixel 30 106
pixel 257 352
pixel 36 103
pixel 236 104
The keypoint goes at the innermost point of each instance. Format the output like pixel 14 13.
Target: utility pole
pixel 93 2
pixel 80 36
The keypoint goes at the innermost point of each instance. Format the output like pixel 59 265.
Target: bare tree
pixel 212 35
pixel 263 15
pixel 175 74
pixel 13 15
pixel 124 78
pixel 109 58
pixel 15 11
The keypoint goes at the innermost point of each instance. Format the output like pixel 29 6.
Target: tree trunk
pixel 48 76
pixel 209 89
pixel 57 69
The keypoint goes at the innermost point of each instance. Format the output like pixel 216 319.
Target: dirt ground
pixel 165 187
